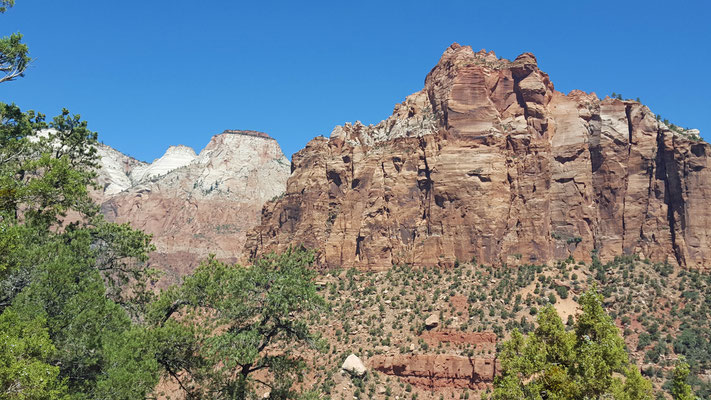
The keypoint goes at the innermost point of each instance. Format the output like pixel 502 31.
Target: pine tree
pixel 553 363
pixel 681 390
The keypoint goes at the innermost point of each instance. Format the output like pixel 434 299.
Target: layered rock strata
pixel 477 339
pixel 489 163
pixel 439 370
pixel 195 204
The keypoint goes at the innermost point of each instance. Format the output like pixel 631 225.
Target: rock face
pixel 195 204
pixel 477 339
pixel 439 370
pixel 115 171
pixel 489 162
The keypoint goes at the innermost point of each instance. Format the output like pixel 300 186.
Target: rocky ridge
pixel 490 162
pixel 194 204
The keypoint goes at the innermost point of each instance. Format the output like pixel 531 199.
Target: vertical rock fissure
pixel 650 172
pixel 625 239
pixel 519 96
pixel 471 378
pixel 359 240
pixel 628 113
pixel 663 172
pixel 428 187
pixel 595 152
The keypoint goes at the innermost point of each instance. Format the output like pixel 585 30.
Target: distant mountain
pixel 490 162
pixel 194 204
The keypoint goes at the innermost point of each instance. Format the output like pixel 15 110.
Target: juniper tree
pixel 229 323
pixel 581 363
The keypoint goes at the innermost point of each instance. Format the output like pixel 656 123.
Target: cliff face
pixel 195 204
pixel 488 161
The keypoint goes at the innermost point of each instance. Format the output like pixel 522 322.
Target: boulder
pixel 432 321
pixel 354 366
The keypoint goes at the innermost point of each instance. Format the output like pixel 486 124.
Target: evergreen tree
pixel 227 323
pixel 26 353
pixel 680 389
pixel 552 363
pixel 72 286
pixel 63 269
pixel 14 57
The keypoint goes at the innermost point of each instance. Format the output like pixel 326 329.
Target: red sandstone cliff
pixel 489 161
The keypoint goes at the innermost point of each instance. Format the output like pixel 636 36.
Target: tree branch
pixel 177 379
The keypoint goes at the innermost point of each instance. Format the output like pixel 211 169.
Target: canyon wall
pixel 489 162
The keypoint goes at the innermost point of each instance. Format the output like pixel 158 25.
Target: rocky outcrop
pixel 489 162
pixel 439 370
pixel 195 204
pixel 477 339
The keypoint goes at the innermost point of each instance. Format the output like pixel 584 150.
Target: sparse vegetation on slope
pixel 381 314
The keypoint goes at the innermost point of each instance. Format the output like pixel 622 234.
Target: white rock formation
pixel 115 168
pixel 354 366
pixel 195 205
pixel 174 158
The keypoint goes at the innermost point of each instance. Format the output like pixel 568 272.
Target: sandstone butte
pixel 489 162
pixel 194 205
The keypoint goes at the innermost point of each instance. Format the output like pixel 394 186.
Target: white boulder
pixel 354 366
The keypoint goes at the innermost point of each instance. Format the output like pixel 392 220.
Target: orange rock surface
pixel 439 370
pixel 489 162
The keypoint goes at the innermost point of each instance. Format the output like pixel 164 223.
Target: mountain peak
pixel 195 205
pixel 489 162
pixel 180 149
pixel 246 133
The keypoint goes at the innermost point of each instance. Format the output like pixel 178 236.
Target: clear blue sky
pixel 149 74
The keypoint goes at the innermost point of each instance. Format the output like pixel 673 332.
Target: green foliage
pixel 80 284
pixel 43 176
pixel 599 347
pixel 131 369
pixel 233 321
pixel 680 389
pixel 5 4
pixel 25 356
pixel 634 387
pixel 14 57
pixel 579 364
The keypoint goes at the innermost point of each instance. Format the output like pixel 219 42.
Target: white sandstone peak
pixel 195 205
pixel 115 168
pixel 245 165
pixel 175 157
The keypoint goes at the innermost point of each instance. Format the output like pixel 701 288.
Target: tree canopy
pixel 586 362
pixel 237 330
pixel 681 390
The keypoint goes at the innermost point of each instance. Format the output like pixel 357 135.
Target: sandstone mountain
pixel 489 162
pixel 194 204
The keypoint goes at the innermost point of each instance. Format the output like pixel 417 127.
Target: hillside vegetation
pixel 661 312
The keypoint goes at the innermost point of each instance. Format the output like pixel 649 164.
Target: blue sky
pixel 154 73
